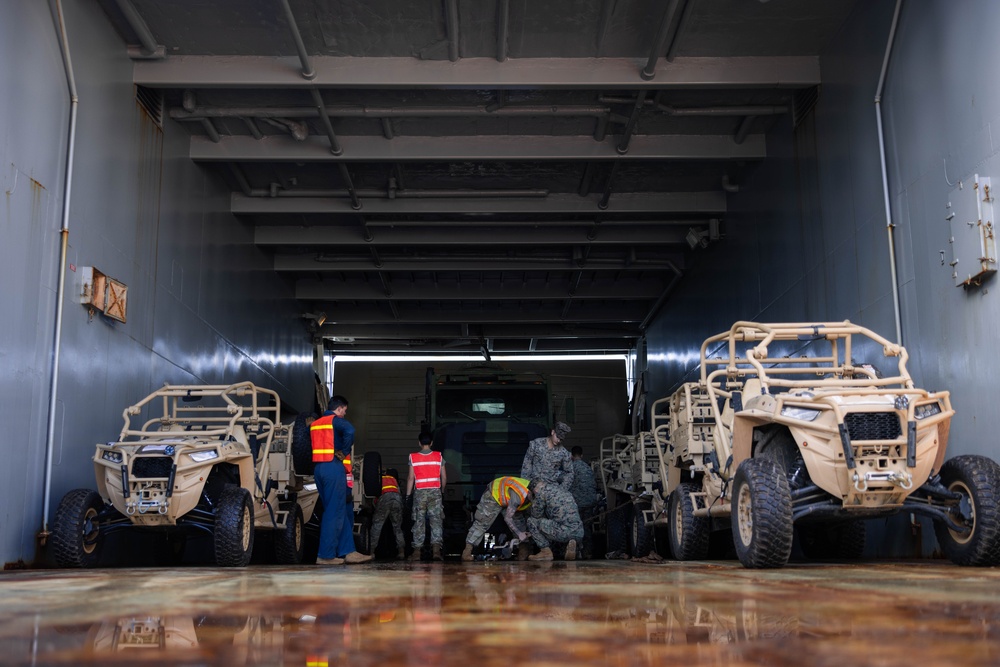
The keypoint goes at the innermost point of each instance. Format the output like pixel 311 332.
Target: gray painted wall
pixel 806 238
pixel 203 303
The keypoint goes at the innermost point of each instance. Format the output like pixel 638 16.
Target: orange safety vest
pixel 389 484
pixel 321 434
pixel 506 489
pixel 426 470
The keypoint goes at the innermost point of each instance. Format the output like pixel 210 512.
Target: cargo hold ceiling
pixel 454 176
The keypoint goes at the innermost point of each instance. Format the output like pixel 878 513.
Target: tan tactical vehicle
pixel 632 469
pixel 210 458
pixel 785 431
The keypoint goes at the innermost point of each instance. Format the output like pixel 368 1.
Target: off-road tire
pixel 302 460
pixel 76 537
pixel 234 527
pixel 831 541
pixel 363 540
pixel 618 523
pixel 977 478
pixel 640 535
pixel 844 540
pixel 290 541
pixel 371 475
pixel 761 514
pixel 689 534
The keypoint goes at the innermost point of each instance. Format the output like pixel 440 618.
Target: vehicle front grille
pixel 151 466
pixel 873 425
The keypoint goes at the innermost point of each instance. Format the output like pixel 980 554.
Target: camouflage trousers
pixel 486 513
pixel 545 531
pixel 389 506
pixel 427 507
pixel 587 513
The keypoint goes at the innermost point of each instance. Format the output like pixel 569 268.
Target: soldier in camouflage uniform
pixel 426 481
pixel 547 460
pixel 389 505
pixel 554 518
pixel 584 492
pixel 513 496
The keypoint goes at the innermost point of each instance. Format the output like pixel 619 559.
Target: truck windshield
pixel 507 401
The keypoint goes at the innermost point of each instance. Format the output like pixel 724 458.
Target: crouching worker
pixel 554 518
pixel 510 494
pixel 389 505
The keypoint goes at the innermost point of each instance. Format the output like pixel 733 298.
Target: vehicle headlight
pixel 805 414
pixel 926 410
pixel 201 457
pixel 114 457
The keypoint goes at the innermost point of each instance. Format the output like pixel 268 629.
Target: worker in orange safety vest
pixel 332 439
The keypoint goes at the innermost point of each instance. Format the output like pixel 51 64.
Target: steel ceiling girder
pixel 475 148
pixel 712 203
pixel 340 236
pixel 453 290
pixel 302 263
pixel 477 73
pixel 463 313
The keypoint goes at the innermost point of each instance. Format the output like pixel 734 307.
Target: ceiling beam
pixel 452 290
pixel 664 203
pixel 347 331
pixel 387 265
pixel 477 73
pixel 280 148
pixel 582 312
pixel 320 235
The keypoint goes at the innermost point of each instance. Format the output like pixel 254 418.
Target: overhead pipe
pixel 744 129
pixel 606 197
pixel 660 43
pixel 640 100
pixel 662 298
pixel 252 126
pixel 400 194
pixel 74 101
pixel 397 112
pixel 327 125
pixel 727 186
pixel 588 178
pixel 308 72
pixel 141 30
pixel 351 192
pixel 451 23
pixel 607 12
pixel 686 12
pixel 298 131
pixel 210 130
pixel 241 179
pixel 753 110
pixel 503 26
pixel 885 173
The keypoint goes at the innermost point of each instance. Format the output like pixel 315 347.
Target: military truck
pixel 482 419
pixel 212 459
pixel 785 432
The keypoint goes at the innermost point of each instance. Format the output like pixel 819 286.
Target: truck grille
pixel 151 466
pixel 873 425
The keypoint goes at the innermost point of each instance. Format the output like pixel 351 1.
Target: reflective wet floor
pixel 505 614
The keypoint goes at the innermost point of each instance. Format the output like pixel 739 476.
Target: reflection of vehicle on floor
pixel 785 431
pixel 208 458
pixel 482 420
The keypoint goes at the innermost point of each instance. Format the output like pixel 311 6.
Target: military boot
pixel 467 553
pixel 415 556
pixel 436 552
pixel 570 550
pixel 544 554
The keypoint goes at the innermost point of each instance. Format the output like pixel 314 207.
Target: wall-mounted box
pixel 103 293
pixel 973 246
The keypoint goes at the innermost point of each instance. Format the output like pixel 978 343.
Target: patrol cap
pixel 562 429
